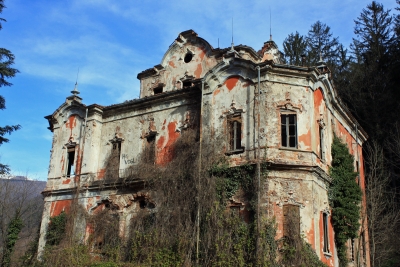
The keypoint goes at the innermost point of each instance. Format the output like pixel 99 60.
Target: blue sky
pixel 112 41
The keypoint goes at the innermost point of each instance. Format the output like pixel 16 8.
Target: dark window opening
pixel 158 90
pixel 289 130
pixel 321 142
pixel 142 204
pixel 358 172
pixel 291 221
pixel 187 84
pixel 326 234
pixel 70 159
pixel 235 134
pixel 188 57
pixel 150 149
pixel 352 249
pixel 116 157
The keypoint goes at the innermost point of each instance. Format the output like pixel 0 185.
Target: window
pixel 291 221
pixel 186 84
pixel 150 150
pixel 158 90
pixel 326 234
pixel 235 133
pixel 321 143
pixel 358 172
pixel 188 57
pixel 70 161
pixel 115 159
pixel 288 130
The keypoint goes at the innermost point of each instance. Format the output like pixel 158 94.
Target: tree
pixel 320 41
pixel 294 46
pixel 6 71
pixel 345 197
pixel 382 209
pixel 374 35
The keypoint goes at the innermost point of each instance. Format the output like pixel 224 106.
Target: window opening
pixel 326 236
pixel 150 148
pixel 235 133
pixel 321 142
pixel 187 84
pixel 188 57
pixel 70 159
pixel 288 130
pixel 116 157
pixel 158 90
pixel 358 172
pixel 352 249
pixel 291 221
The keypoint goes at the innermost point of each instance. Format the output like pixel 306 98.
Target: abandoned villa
pixel 237 99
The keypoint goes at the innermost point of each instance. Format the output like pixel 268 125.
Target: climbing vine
pixel 345 196
pixel 56 229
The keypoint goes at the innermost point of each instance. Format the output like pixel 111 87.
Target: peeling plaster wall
pixel 220 83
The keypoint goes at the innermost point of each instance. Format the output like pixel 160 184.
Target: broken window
pixel 291 221
pixel 70 161
pixel 186 84
pixel 288 130
pixel 326 233
pixel 150 150
pixel 321 143
pixel 235 133
pixel 358 172
pixel 158 90
pixel 115 158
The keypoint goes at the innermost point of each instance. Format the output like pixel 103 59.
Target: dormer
pixel 188 59
pixel 270 52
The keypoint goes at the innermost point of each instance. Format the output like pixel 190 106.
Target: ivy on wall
pixel 56 230
pixel 344 197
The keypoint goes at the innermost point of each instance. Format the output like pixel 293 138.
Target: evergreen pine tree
pixel 345 197
pixel 294 46
pixel 372 94
pixel 320 40
pixel 6 71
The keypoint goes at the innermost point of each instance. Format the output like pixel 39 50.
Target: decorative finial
pixel 232 44
pixel 75 91
pixel 270 25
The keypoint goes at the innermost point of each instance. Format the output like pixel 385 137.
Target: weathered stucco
pixel 197 85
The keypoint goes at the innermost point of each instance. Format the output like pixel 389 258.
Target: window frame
pixel 291 212
pixel 325 231
pixel 70 165
pixel 234 127
pixel 321 142
pixel 286 115
pixel 116 143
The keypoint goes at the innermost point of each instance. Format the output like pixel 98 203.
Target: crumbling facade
pixel 240 100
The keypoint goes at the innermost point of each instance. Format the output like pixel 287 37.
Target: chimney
pixel 303 60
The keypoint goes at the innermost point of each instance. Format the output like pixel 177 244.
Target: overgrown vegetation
pixel 56 229
pixel 345 198
pixel 180 198
pixel 13 230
